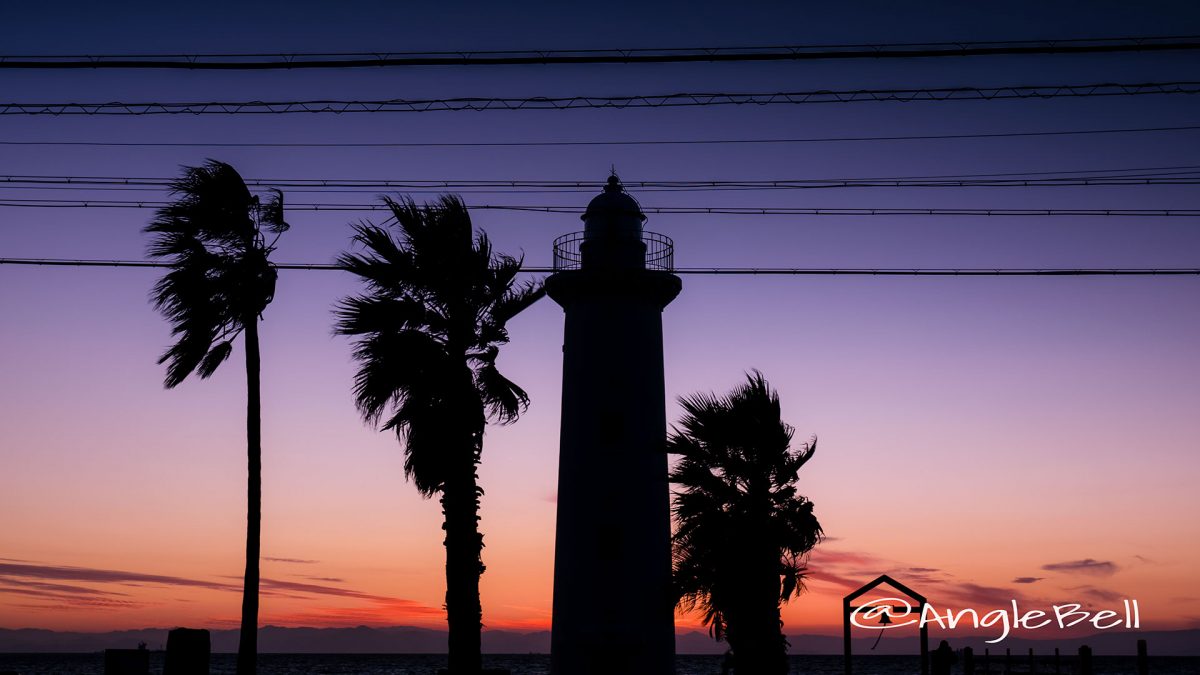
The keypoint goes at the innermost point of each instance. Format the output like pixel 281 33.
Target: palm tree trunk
pixel 464 566
pixel 247 658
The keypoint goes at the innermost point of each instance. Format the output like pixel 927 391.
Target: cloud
pixel 833 578
pixel 1102 594
pixel 294 561
pixel 844 568
pixel 87 574
pixel 46 587
pixel 279 585
pixel 381 612
pixel 977 595
pixel 852 569
pixel 832 557
pixel 64 596
pixel 1091 566
pixel 44 583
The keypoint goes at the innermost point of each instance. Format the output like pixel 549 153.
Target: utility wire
pixel 334 106
pixel 1118 172
pixel 740 271
pixel 596 56
pixel 319 186
pixel 686 210
pixel 543 144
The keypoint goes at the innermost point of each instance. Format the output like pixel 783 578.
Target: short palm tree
pixel 427 332
pixel 743 532
pixel 214 234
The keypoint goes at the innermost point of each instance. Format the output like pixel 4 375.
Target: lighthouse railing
pixel 659 256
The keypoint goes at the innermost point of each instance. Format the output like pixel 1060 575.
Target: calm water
pixel 539 664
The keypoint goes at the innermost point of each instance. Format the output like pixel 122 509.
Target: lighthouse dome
pixel 613 213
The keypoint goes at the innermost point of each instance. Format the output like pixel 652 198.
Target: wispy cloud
pixel 1102 594
pixel 1027 580
pixel 851 569
pixel 47 587
pixel 967 594
pixel 45 583
pixel 279 585
pixel 64 596
pixel 293 561
pixel 1091 566
pixel 381 612
pixel 102 576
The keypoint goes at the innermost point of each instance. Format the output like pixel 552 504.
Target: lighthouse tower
pixel 613 610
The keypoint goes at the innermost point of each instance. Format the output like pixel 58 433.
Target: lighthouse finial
pixel 614 181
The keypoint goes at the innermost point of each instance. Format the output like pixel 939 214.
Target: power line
pixel 1119 172
pixel 526 144
pixel 677 210
pixel 97 183
pixel 600 56
pixel 335 106
pixel 725 271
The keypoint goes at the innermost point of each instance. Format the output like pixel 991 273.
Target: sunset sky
pixel 981 439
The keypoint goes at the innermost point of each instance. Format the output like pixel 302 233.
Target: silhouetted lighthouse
pixel 613 610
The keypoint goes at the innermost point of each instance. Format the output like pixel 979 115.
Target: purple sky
pixel 952 412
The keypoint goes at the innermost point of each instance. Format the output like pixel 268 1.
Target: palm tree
pixel 214 235
pixel 743 532
pixel 428 330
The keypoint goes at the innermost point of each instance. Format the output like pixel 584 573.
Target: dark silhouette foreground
pixel 743 531
pixel 427 333
pixel 215 236
pixel 942 659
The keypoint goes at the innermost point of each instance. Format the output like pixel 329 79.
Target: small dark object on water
pixel 1085 660
pixel 941 659
pixel 187 652
pixel 127 661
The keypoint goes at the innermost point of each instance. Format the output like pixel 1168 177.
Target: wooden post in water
pixel 1056 662
pixel 1032 668
pixel 1085 660
pixel 1143 660
pixel 846 645
pixel 127 661
pixel 188 652
pixel 968 661
pixel 987 660
pixel 1007 661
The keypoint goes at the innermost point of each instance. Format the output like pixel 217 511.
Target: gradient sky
pixel 982 439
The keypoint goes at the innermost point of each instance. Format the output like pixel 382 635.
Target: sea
pixel 539 664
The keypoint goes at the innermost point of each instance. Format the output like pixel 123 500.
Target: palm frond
pixel 214 358
pixel 220 275
pixel 505 401
pixel 742 532
pixel 427 332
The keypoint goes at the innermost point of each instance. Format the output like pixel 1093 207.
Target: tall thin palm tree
pixel 427 333
pixel 214 234
pixel 743 532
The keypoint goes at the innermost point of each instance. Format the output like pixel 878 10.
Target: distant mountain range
pixel 412 640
